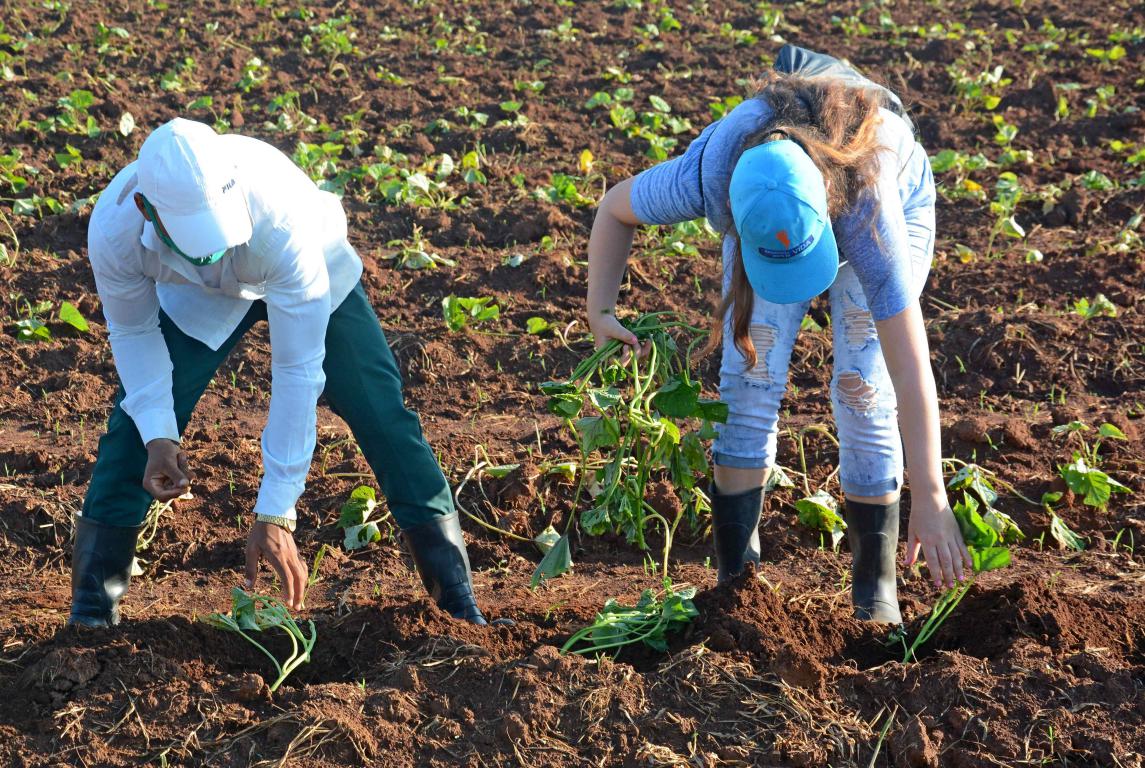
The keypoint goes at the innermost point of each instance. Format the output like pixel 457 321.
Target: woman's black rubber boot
pixel 101 571
pixel 873 533
pixel 438 550
pixel 735 530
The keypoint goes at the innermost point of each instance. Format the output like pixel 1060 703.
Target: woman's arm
pixel 608 249
pixel 932 527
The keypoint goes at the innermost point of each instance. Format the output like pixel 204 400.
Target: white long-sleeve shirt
pixel 298 261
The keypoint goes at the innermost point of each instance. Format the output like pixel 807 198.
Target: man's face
pixel 150 214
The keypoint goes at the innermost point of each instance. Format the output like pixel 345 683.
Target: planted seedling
pixel 461 312
pixel 649 622
pixel 255 613
pixel 1061 533
pixel 988 552
pixel 354 519
pixel 1082 475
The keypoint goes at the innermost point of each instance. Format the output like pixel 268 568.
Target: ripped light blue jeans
pixel 862 395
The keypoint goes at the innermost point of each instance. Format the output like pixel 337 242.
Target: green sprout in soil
pixel 642 405
pixel 254 613
pixel 1082 475
pixel 648 622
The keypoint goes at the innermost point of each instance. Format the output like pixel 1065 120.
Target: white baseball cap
pixel 190 178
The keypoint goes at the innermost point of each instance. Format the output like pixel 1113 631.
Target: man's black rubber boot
pixel 735 530
pixel 873 533
pixel 438 551
pixel 101 571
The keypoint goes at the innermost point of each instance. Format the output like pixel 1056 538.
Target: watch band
pixel 282 522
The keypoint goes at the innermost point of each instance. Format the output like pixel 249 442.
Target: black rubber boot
pixel 101 571
pixel 873 533
pixel 438 551
pixel 735 530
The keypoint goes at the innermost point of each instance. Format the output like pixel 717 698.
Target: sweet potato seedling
pixel 1082 475
pixel 988 551
pixel 638 435
pixel 354 519
pixel 255 613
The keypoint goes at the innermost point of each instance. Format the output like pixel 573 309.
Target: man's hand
pixel 276 544
pixel 933 530
pixel 168 475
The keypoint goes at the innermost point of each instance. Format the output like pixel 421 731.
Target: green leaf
pixel 989 558
pixel 678 398
pixel 712 410
pixel 358 507
pixel 1110 431
pixel 820 512
pixel 556 388
pixel 501 470
pixel 597 432
pixel 32 329
pixel 595 521
pixel 975 531
pixel 1093 485
pixel 358 536
pixel 547 539
pixel 537 325
pixel 778 478
pixel 567 405
pixel 556 561
pixel 1064 535
pixel 243 610
pixel 70 315
pixel 1051 497
pixel 604 399
pixel 659 104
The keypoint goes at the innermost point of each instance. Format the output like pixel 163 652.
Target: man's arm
pixel 131 309
pixel 298 310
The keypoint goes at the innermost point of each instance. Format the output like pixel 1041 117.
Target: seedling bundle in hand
pixel 986 535
pixel 254 613
pixel 630 420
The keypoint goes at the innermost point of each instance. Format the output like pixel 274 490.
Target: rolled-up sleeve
pixel 671 192
pixel 131 309
pixel 298 310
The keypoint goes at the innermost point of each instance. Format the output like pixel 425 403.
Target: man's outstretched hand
pixel 276 544
pixel 168 475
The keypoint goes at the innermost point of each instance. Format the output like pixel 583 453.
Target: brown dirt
pixel 1043 663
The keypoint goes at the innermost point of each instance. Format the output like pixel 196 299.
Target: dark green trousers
pixel 363 386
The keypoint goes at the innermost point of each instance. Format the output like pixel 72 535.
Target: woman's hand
pixel 933 530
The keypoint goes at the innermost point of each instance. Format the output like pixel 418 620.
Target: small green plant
pixel 416 254
pixel 461 312
pixel 1061 533
pixel 354 519
pixel 648 622
pixel 1100 306
pixel 1082 475
pixel 255 613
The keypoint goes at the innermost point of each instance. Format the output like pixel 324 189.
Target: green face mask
pixel 200 261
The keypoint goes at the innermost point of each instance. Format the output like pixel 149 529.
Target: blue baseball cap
pixel 779 205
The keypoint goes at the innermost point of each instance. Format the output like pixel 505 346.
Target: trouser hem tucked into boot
pixel 101 571
pixel 735 530
pixel 872 532
pixel 438 551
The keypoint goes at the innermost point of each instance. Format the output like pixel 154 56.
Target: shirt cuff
pixel 155 424
pixel 276 499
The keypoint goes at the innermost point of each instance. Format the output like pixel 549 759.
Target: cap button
pixel 770 184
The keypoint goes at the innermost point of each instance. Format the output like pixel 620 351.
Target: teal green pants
pixel 363 386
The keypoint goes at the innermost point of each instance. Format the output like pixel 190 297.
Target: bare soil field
pixel 1043 663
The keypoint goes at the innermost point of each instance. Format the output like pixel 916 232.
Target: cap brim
pixel 801 279
pixel 211 230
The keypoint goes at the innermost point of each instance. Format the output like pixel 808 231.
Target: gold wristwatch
pixel 282 522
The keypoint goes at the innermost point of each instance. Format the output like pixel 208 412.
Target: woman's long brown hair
pixel 836 125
